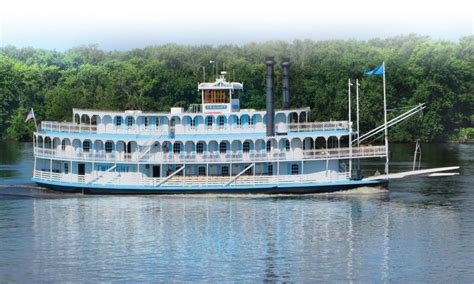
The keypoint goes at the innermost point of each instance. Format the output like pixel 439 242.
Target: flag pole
pixel 385 119
pixel 34 119
pixel 350 128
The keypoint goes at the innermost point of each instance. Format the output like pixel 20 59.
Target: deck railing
pixel 68 127
pixel 180 129
pixel 89 128
pixel 318 126
pixel 213 157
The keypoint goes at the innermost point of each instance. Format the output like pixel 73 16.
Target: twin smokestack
pixel 285 65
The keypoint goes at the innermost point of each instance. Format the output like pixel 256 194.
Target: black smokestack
pixel 285 66
pixel 269 61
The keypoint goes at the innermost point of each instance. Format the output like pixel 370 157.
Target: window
pixel 269 146
pixel 222 147
pixel 225 171
pixel 176 148
pixel 246 147
pixel 86 146
pixel 202 171
pixel 200 148
pixel 221 121
pixel 239 122
pixel 157 121
pixel 118 120
pixel 294 169
pixel 145 121
pixel 130 121
pixel 63 145
pixel 287 145
pixel 108 147
pixel 216 96
pixel 270 169
pixel 209 121
pixel 193 122
pixel 251 121
pixel 66 168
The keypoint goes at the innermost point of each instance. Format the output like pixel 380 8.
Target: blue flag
pixel 379 70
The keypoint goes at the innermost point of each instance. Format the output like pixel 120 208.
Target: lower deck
pixel 261 188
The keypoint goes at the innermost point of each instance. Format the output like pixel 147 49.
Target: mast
pixel 349 84
pixel 385 119
pixel 358 130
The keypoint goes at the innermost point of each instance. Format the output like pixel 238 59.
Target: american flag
pixel 31 115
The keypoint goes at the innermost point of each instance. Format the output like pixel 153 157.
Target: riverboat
pixel 212 147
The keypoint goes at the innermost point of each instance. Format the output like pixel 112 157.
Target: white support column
pixel 278 170
pixel 51 161
pixel 327 157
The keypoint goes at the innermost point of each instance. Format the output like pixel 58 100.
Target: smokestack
pixel 285 66
pixel 269 61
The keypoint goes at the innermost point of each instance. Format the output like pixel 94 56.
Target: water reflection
pixel 208 239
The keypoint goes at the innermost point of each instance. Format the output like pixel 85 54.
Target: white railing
pixel 194 108
pixel 318 126
pixel 214 157
pixel 101 156
pixel 109 129
pixel 188 129
pixel 68 127
pixel 134 178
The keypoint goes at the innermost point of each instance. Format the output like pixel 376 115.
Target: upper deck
pixel 179 122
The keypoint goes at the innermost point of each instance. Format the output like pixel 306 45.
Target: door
pixel 81 169
pixel 156 171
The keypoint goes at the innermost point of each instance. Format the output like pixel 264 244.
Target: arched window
pixel 86 146
pixel 63 145
pixel 222 147
pixel 157 121
pixel 269 146
pixel 145 121
pixel 199 147
pixel 118 121
pixel 246 147
pixel 221 121
pixel 176 148
pixel 209 121
pixel 130 121
pixel 287 145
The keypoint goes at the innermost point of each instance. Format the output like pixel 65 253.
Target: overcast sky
pixel 121 25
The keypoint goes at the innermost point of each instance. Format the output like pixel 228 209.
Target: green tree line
pixel 418 69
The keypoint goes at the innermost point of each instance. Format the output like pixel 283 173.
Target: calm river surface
pixel 421 230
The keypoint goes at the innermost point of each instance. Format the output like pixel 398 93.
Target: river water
pixel 422 229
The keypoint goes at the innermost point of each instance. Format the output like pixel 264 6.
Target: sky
pixel 126 24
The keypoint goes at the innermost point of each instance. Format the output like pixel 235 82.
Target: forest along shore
pixel 418 70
